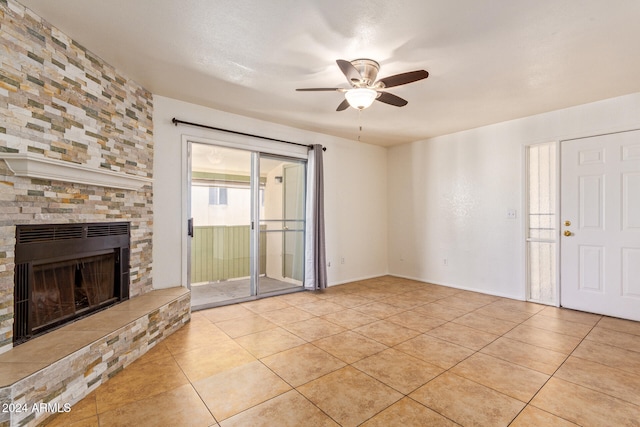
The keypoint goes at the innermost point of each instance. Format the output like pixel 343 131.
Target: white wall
pixel 355 192
pixel 449 196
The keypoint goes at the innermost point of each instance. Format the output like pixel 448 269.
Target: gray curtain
pixel 315 251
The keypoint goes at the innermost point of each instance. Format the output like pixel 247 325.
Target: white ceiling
pixel 489 60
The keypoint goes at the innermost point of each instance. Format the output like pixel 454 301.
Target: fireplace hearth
pixel 67 271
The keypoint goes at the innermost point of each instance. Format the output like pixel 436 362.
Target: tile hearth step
pixel 65 365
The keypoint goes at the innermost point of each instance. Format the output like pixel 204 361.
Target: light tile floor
pixel 380 352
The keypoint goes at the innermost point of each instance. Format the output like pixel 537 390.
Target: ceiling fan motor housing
pixel 368 69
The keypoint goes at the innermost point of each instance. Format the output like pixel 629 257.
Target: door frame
pixel 558 186
pixel 248 143
pixel 284 216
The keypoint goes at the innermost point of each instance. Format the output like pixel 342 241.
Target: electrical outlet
pixel 341 260
pixel 512 214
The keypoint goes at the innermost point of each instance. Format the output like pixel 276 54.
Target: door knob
pixel 567 233
pixel 567 223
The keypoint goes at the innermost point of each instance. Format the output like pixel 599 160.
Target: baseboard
pixel 357 279
pixel 462 288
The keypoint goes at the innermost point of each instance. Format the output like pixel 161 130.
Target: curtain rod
pixel 182 122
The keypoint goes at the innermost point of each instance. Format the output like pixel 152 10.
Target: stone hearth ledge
pixel 63 366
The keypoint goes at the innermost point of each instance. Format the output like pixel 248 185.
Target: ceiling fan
pixel 361 74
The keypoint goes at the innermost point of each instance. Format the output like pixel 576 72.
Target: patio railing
pixel 222 253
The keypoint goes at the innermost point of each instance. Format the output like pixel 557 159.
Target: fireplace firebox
pixel 67 271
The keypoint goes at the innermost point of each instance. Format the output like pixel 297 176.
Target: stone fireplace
pixel 67 271
pixel 62 230
pixel 76 146
pixel 76 152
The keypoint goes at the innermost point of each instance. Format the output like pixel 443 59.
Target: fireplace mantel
pixel 37 166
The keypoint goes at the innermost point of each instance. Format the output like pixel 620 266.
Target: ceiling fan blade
pixel 319 89
pixel 343 105
pixel 391 99
pixel 350 72
pixel 404 78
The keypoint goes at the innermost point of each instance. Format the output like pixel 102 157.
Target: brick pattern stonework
pixel 60 101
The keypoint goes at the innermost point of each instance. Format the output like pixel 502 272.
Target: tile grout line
pixel 407 395
pixel 554 373
pixel 296 388
pixel 449 321
pixel 385 318
pixel 607 366
pixel 420 333
pixel 347 363
pixel 192 385
pixel 479 352
pixel 445 370
pixel 468 357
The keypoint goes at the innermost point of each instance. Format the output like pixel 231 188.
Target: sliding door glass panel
pixel 282 220
pixel 221 212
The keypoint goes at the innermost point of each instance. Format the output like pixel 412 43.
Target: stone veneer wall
pixel 60 101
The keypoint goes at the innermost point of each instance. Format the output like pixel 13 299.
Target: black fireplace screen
pixel 65 271
pixel 65 289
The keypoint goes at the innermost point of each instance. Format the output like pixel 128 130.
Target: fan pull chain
pixel 359 124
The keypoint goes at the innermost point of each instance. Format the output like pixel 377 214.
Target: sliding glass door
pixel 221 224
pixel 282 219
pixel 246 226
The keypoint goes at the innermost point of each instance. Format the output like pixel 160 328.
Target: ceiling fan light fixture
pixel 360 98
pixel 362 74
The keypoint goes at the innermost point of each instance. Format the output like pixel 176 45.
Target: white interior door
pixel 600 208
